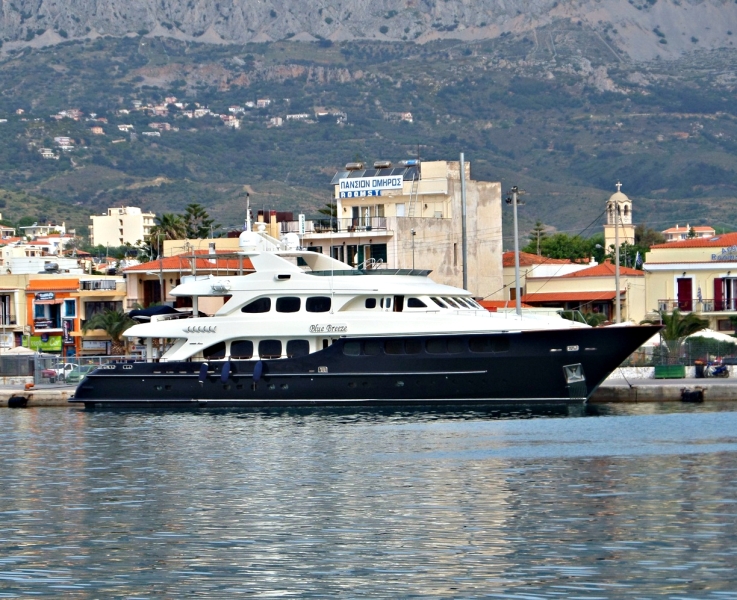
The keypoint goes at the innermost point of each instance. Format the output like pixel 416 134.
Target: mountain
pixel 563 99
pixel 635 30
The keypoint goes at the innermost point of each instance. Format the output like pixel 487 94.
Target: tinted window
pixel 288 304
pixel 451 302
pixel 413 346
pixel 394 347
pixel 372 347
pixel 261 305
pixel 241 349
pixel 317 304
pixel 488 344
pixel 415 303
pixel 352 348
pixel 439 302
pixel 269 348
pixel 215 351
pixel 463 302
pixel 436 346
pixel 370 302
pixel 297 348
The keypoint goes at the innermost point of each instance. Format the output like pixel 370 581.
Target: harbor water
pixel 636 501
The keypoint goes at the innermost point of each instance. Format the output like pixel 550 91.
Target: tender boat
pixel 306 329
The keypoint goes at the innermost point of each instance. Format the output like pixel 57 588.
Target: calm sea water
pixel 636 501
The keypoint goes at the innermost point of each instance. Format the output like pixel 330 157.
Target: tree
pixel 677 327
pixel 691 233
pixel 330 209
pixel 114 323
pixel 537 236
pixel 197 223
pixel 169 227
pixel 646 237
pixel 562 245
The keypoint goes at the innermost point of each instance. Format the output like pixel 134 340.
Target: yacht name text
pixel 328 328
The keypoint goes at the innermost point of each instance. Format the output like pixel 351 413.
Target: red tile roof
pixel 494 305
pixel 605 269
pixel 204 262
pixel 570 296
pixel 723 240
pixel 527 260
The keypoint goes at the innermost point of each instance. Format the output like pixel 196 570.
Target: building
pixel 695 275
pixel 619 219
pixel 146 281
pixel 409 217
pixel 32 231
pixel 126 224
pixel 677 233
pixel 532 265
pixel 592 290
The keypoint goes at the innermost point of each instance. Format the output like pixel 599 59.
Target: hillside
pixel 558 113
pixel 628 28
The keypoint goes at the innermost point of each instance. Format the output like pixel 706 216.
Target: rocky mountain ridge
pixel 633 30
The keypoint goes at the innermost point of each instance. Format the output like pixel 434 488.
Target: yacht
pixel 307 329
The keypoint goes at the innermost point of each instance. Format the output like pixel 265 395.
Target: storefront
pixel 52 315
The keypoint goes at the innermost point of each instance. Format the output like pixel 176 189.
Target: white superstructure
pixel 298 302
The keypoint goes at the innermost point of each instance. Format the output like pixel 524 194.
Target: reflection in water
pixel 380 504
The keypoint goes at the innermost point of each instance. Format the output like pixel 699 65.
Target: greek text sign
pixel 357 187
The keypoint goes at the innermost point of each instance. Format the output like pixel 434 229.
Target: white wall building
pixel 127 224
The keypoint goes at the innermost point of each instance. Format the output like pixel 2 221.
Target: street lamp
pixel 513 199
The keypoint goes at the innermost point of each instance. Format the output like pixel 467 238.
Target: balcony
pixel 705 305
pixel 336 225
pixel 98 284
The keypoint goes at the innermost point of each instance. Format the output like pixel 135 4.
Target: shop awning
pixel 571 296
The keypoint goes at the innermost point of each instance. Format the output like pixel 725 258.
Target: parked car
pixel 78 374
pixel 59 371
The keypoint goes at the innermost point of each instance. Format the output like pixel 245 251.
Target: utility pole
pixel 513 199
pixel 617 308
pixel 413 232
pixel 464 237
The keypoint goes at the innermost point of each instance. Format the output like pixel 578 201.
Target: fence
pixel 68 370
pixel 687 353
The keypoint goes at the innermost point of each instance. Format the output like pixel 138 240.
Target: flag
pixel 638 259
pixel 698 294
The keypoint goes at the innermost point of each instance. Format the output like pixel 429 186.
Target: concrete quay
pixel 612 390
pixel 17 396
pixel 664 390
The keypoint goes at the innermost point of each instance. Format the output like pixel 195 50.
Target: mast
pixel 463 226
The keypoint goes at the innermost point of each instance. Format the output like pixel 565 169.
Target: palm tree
pixel 169 227
pixel 114 323
pixel 677 327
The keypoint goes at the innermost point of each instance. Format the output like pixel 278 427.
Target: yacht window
pixel 297 348
pixel 242 349
pixel 451 302
pixel 488 344
pixel 461 302
pixel 388 303
pixel 318 304
pixel 372 347
pixel 381 303
pixel 261 305
pixel 436 346
pixel 370 303
pixel 415 303
pixel 269 348
pixel 215 351
pixel 288 304
pixel 352 348
pixel 413 346
pixel 439 302
pixel 394 347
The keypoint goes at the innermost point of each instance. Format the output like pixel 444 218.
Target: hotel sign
pixel 727 254
pixel 357 187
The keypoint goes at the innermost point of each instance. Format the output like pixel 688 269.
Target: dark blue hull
pixel 535 367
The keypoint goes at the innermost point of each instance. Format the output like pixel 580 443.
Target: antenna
pixel 248 211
